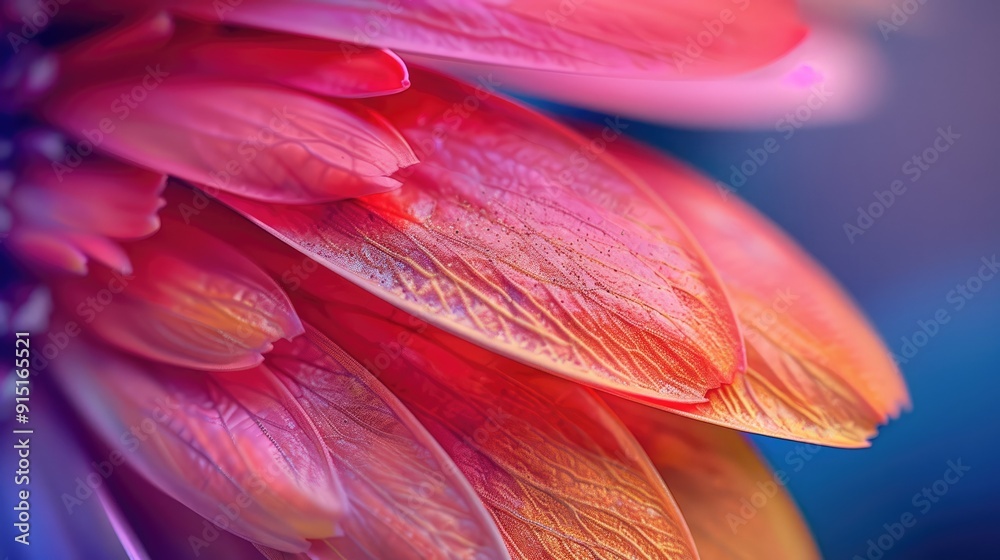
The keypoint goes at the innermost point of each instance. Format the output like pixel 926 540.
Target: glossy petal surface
pixel 719 480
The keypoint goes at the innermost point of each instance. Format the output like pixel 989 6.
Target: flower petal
pixel 234 445
pixel 407 499
pixel 638 37
pixel 99 197
pixel 250 139
pixel 831 76
pixel 817 370
pixel 558 471
pixel 315 65
pixel 500 236
pixel 192 301
pixel 714 473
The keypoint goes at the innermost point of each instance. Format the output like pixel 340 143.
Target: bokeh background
pixel 942 70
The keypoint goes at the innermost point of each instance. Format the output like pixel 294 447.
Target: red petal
pixel 192 301
pixel 407 500
pixel 817 370
pixel 500 236
pixel 234 447
pixel 250 139
pixel 99 197
pixel 558 472
pixel 639 37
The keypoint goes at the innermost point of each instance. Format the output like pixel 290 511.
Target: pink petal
pixel 97 197
pixel 608 37
pixel 192 301
pixel 251 139
pixel 234 447
pixel 313 65
pixel 407 499
pixel 829 77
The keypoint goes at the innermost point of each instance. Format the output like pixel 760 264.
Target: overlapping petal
pixel 736 507
pixel 234 447
pixel 557 470
pixel 247 138
pixel 636 37
pixel 191 301
pixel 817 371
pixel 64 216
pixel 406 498
pixel 520 236
pixel 831 76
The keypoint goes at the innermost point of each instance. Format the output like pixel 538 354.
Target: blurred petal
pixel 234 447
pixel 718 480
pixel 249 139
pixel 407 499
pixel 99 197
pixel 830 77
pixel 192 301
pixel 558 471
pixel 817 370
pixel 502 236
pixel 637 37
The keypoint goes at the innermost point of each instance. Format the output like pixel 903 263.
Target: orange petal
pixel 192 301
pixel 817 370
pixel 221 444
pixel 515 234
pixel 251 139
pixel 736 507
pixel 407 499
pixel 638 37
pixel 558 471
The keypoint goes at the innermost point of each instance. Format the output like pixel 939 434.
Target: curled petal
pixel 817 370
pixel 191 301
pixel 250 139
pixel 713 472
pixel 231 445
pixel 500 236
pixel 651 39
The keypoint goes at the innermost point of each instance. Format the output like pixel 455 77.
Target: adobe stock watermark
pixel 923 501
pixel 712 30
pixel 35 22
pixel 956 298
pixel 786 127
pixel 901 13
pixel 913 168
pixel 122 108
